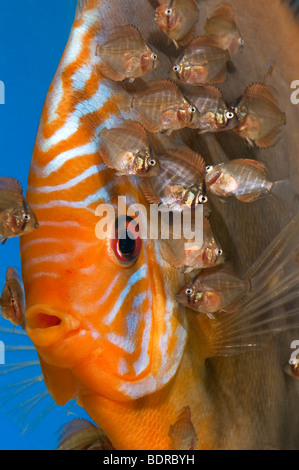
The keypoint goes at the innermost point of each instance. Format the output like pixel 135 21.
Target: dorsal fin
pixel 10 184
pixel 224 11
pixel 260 90
pixel 148 191
pixel 203 41
pixel 135 127
pixel 185 154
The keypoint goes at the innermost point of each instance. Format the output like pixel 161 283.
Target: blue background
pixel 33 35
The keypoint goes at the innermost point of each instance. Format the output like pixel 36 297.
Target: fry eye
pixel 176 68
pixel 154 56
pixel 229 114
pixel 26 217
pixel 168 11
pixel 151 162
pixel 219 252
pixel 202 199
pixel 208 169
pixel 127 242
pixel 188 291
pixel 192 109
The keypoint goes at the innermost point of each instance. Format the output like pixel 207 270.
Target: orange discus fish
pixel 102 310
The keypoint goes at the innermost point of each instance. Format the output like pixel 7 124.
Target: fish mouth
pixel 46 326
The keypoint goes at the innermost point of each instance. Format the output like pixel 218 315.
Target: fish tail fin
pixel 285 190
pixel 272 305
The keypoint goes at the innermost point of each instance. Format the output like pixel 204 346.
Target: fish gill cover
pixel 246 401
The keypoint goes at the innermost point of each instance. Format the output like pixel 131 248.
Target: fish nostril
pixel 44 320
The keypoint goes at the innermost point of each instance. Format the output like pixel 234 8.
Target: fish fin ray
pixel 10 184
pixel 270 306
pixel 269 140
pixel 148 191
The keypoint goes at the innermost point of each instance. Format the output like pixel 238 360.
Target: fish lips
pixel 47 326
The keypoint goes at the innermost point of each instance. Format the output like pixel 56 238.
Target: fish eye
pixel 151 162
pixel 208 169
pixel 154 56
pixel 26 217
pixel 168 11
pixel 192 109
pixel 176 68
pixel 242 42
pixel 219 252
pixel 188 291
pixel 126 243
pixel 229 114
pixel 202 199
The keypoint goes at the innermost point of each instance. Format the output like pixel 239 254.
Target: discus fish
pixel 182 433
pixel 213 113
pixel 125 54
pixel 245 179
pixel 126 148
pixel 221 27
pixel 163 108
pixel 186 252
pixel 177 18
pixel 80 434
pixel 201 62
pixel 180 181
pixel 259 116
pixel 213 290
pixel 12 300
pixel 111 334
pixel 292 370
pixel 16 215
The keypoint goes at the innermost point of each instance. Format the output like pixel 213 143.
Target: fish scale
pixel 235 402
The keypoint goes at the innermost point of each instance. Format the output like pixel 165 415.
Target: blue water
pixel 33 35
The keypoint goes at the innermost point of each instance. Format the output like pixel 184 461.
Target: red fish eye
pixel 127 242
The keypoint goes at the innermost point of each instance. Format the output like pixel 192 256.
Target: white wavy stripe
pixel 57 162
pixel 93 170
pixel 133 279
pixel 78 248
pixel 73 121
pixel 101 195
pixel 142 362
pixel 39 241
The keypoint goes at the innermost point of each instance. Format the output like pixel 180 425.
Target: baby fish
pixel 125 54
pixel 203 61
pixel 126 148
pixel 180 181
pixel 213 290
pixel 16 216
pixel 182 433
pixel 184 252
pixel 177 18
pixel 222 28
pixel 243 178
pixel 292 369
pixel 12 300
pixel 214 114
pixel 259 116
pixel 80 434
pixel 163 108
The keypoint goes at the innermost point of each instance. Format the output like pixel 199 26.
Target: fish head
pixel 146 164
pixel 12 302
pixel 91 312
pixel 149 61
pixel 21 220
pixel 213 254
pixel 187 114
pixel 167 17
